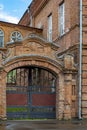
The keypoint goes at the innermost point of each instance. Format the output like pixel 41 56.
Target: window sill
pixel 61 35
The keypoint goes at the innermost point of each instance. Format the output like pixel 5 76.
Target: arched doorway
pixel 31 93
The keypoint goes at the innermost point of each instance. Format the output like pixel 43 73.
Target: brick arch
pixel 34 61
pixel 31 61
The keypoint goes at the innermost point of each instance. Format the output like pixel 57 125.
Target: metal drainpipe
pixel 80 64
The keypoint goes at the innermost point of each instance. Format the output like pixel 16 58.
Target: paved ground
pixel 44 125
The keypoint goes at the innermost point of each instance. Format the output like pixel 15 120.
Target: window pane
pixel 50 28
pixel 61 19
pixel 1 38
pixel 1 41
pixel 16 36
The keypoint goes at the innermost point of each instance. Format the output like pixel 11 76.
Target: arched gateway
pixel 31 93
pixel 33 80
pixel 31 89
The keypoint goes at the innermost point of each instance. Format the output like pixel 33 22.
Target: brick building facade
pixel 49 36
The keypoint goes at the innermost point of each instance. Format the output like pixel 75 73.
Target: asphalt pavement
pixel 44 125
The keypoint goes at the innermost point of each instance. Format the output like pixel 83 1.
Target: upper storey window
pixel 61 19
pixel 1 38
pixel 16 36
pixel 30 21
pixel 50 27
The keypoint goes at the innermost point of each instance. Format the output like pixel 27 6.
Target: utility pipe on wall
pixel 80 65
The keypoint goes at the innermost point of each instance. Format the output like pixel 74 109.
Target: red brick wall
pixel 40 17
pixel 84 61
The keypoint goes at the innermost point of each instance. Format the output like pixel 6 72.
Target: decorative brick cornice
pixel 36 6
pixel 33 37
pixel 20 26
pixel 69 71
pixel 69 50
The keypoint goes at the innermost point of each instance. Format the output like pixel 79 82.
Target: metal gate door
pixel 31 93
pixel 42 105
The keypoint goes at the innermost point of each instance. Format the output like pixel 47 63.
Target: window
pixel 1 38
pixel 16 36
pixel 50 27
pixel 30 21
pixel 73 90
pixel 61 19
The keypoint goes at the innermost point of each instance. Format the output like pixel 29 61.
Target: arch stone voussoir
pixel 33 61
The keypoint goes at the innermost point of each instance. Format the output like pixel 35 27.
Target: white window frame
pixel 61 18
pixel 50 27
pixel 30 21
pixel 1 38
pixel 16 36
